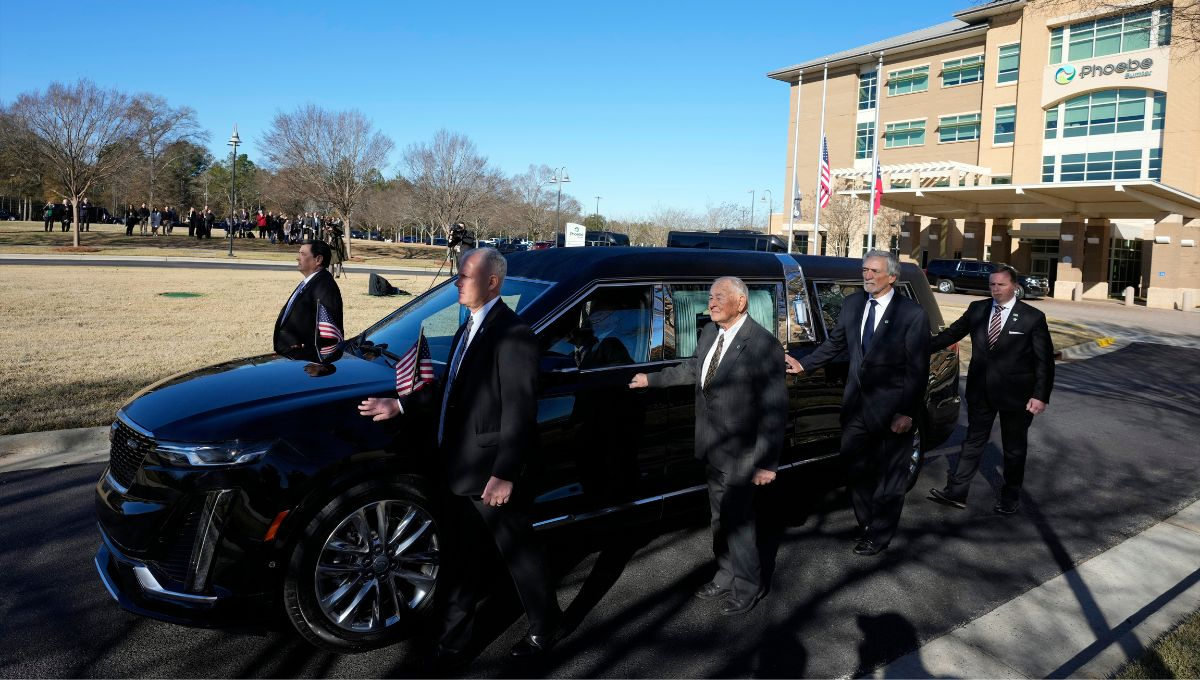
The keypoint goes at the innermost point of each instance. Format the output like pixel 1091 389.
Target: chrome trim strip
pixel 700 487
pixel 113 481
pixel 134 426
pixel 153 588
pixel 204 545
pixel 552 520
pixel 108 585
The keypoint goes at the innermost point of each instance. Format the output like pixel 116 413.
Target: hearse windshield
pixel 441 315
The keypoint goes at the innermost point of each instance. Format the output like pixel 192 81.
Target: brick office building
pixel 1058 137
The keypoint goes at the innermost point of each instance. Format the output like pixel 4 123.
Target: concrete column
pixel 1172 267
pixel 910 239
pixel 953 240
pixel 1070 257
pixel 974 232
pixel 1002 248
pixel 1095 259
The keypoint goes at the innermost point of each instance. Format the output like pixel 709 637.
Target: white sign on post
pixel 576 235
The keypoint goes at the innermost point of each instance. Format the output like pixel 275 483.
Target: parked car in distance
pixel 599 238
pixel 373 235
pixel 726 239
pixel 542 245
pixel 253 487
pixel 952 275
pixel 507 246
pixel 7 216
pixel 440 241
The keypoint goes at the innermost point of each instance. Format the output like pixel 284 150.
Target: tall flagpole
pixel 816 245
pixel 795 153
pixel 875 156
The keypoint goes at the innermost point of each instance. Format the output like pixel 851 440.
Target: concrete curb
pixel 1091 348
pixel 35 450
pixel 1086 622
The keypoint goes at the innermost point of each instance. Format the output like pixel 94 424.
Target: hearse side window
pixel 688 312
pixel 610 327
pixel 832 294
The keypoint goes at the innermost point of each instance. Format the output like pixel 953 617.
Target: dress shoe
pixel 733 606
pixel 939 496
pixel 1007 507
pixel 533 645
pixel 867 547
pixel 711 590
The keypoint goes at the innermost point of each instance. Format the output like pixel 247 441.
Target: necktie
pixel 453 373
pixel 994 327
pixel 716 359
pixel 291 300
pixel 869 327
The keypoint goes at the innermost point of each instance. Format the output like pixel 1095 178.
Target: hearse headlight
pixel 231 453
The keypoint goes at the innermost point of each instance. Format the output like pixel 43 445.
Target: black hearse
pixel 254 484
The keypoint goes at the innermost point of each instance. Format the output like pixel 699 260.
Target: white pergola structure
pixel 935 173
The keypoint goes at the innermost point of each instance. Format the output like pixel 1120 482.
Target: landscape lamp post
pixel 751 192
pixel 234 140
pixel 560 178
pixel 770 206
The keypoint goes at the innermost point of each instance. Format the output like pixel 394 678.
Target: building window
pixel 962 71
pixel 1010 64
pixel 1006 125
pixel 1002 179
pixel 1110 111
pixel 1112 35
pixel 1103 166
pixel 908 81
pixel 958 128
pixel 864 140
pixel 1056 42
pixel 866 90
pixel 800 244
pixel 1052 123
pixel 911 133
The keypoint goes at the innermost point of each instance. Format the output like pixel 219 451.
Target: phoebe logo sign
pixel 1064 75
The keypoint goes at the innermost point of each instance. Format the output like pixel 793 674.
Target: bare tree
pixel 450 180
pixel 329 157
pixel 723 216
pixel 843 219
pixel 535 205
pixel 160 128
pixel 83 135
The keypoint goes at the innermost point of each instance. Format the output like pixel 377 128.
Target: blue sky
pixel 646 104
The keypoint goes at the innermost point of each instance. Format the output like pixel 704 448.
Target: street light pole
pixel 752 195
pixel 234 140
pixel 560 178
pixel 770 207
pixel 598 205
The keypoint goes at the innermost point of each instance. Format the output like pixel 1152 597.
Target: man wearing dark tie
pixel 886 337
pixel 741 412
pixel 1011 373
pixel 486 434
pixel 296 326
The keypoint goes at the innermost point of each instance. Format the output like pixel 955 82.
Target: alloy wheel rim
pixel 377 566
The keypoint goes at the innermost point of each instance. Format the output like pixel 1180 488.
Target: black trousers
pixel 1014 435
pixel 877 466
pixel 734 535
pixel 48 225
pixel 472 525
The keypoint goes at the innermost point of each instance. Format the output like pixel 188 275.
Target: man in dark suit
pixel 1011 373
pixel 886 337
pixel 741 413
pixel 296 328
pixel 486 433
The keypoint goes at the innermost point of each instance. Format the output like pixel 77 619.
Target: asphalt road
pixel 196 263
pixel 1114 454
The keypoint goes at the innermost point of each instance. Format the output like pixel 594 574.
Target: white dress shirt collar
pixel 478 316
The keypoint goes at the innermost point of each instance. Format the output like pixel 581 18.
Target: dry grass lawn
pixel 85 339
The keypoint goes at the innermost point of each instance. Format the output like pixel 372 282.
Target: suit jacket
pixel 1019 367
pixel 490 427
pixel 891 377
pixel 296 335
pixel 742 413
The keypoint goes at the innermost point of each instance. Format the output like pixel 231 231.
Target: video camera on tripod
pixel 460 236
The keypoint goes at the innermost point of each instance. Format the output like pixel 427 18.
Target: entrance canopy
pixel 1144 199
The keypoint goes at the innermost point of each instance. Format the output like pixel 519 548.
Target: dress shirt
pixel 725 346
pixel 881 305
pixel 1005 310
pixel 296 293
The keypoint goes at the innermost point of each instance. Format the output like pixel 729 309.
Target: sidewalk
pixel 1083 623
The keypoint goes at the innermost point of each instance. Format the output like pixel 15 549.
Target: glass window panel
pixel 1164 26
pixel 1051 123
pixel 1080 50
pixel 867 90
pixel 1047 168
pixel 1155 167
pixel 1104 97
pixel 1006 124
pixel 1131 115
pixel 1158 114
pixel 1010 63
pixel 1138 39
pixel 864 140
pixel 1056 43
pixel 1104 117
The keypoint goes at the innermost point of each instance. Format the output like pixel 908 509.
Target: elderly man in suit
pixel 296 327
pixel 1011 373
pixel 886 337
pixel 487 433
pixel 741 413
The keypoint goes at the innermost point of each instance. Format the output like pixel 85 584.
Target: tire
pixel 1020 293
pixel 945 286
pixel 916 459
pixel 346 589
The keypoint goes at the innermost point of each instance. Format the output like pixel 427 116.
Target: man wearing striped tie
pixel 1011 373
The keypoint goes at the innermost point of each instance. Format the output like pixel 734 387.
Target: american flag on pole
pixel 825 190
pixel 414 370
pixel 327 330
pixel 878 192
